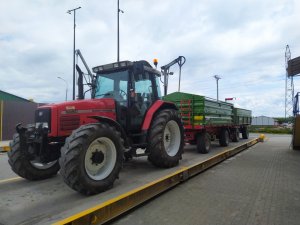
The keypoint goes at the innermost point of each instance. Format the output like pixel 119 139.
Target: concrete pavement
pixel 259 186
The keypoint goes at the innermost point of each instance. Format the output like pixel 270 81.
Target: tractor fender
pixel 114 123
pixel 156 107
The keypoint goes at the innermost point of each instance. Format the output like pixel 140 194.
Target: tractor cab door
pixel 142 96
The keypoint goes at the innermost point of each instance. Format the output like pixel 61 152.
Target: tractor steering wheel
pixel 123 94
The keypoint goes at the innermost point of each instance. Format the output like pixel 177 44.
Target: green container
pixel 242 116
pixel 200 110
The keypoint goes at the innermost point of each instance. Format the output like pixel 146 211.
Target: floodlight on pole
pixel 74 13
pixel 66 86
pixel 217 77
pixel 118 33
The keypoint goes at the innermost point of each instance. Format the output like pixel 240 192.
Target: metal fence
pixel 12 113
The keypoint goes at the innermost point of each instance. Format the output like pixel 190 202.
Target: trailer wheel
pixel 166 139
pixel 27 168
pixel 92 158
pixel 245 132
pixel 192 142
pixel 224 138
pixel 236 135
pixel 203 143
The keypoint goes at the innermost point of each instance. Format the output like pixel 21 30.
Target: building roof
pixel 10 97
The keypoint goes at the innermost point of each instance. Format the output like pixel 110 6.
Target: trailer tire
pixel 245 132
pixel 236 135
pixel 166 139
pixel 193 142
pixel 92 158
pixel 26 168
pixel 203 143
pixel 224 138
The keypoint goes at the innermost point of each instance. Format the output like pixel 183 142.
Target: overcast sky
pixel 241 41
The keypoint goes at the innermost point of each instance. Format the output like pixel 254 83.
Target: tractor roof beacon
pixel 88 139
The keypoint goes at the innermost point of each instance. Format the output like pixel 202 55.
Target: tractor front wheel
pixel 166 139
pixel 26 167
pixel 92 158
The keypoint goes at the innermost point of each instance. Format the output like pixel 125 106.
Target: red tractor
pixel 88 140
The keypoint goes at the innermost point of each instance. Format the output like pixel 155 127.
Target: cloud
pixel 243 42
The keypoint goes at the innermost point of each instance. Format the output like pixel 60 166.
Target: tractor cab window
pixel 143 91
pixel 112 85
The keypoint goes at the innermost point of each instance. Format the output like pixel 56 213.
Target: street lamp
pixel 74 12
pixel 66 86
pixel 217 79
pixel 118 35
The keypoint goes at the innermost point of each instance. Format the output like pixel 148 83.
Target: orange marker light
pixel 155 62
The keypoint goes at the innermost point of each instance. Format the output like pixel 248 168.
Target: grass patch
pixel 270 130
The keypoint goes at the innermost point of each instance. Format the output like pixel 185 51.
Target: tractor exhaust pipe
pixel 80 83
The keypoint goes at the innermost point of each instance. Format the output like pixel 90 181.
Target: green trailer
pixel 207 119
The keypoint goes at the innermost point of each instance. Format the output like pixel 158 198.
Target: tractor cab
pixel 133 85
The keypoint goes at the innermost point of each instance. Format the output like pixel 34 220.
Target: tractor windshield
pixel 112 85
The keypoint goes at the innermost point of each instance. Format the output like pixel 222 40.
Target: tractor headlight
pixel 42 125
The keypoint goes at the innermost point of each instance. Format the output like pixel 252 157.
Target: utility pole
pixel 74 13
pixel 217 79
pixel 118 34
pixel 66 87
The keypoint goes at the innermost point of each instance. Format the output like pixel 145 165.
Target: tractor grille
pixel 69 122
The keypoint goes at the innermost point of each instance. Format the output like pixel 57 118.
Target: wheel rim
pixel 42 166
pixel 100 158
pixel 226 137
pixel 207 143
pixel 172 138
pixel 237 134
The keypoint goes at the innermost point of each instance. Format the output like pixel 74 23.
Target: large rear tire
pixel 166 139
pixel 224 138
pixel 92 158
pixel 203 143
pixel 29 169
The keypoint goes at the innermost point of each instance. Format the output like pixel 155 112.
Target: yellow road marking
pixel 9 179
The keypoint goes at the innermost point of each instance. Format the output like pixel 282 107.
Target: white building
pixel 264 121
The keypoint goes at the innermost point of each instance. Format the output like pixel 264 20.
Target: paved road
pixel 46 201
pixel 258 186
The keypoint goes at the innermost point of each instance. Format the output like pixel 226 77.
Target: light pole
pixel 66 87
pixel 217 79
pixel 118 35
pixel 74 12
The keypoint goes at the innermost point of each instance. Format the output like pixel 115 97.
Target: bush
pixel 270 130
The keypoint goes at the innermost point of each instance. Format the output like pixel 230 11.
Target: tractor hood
pixel 68 116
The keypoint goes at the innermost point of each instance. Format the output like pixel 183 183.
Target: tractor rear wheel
pixel 27 168
pixel 224 138
pixel 92 158
pixel 166 139
pixel 203 143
